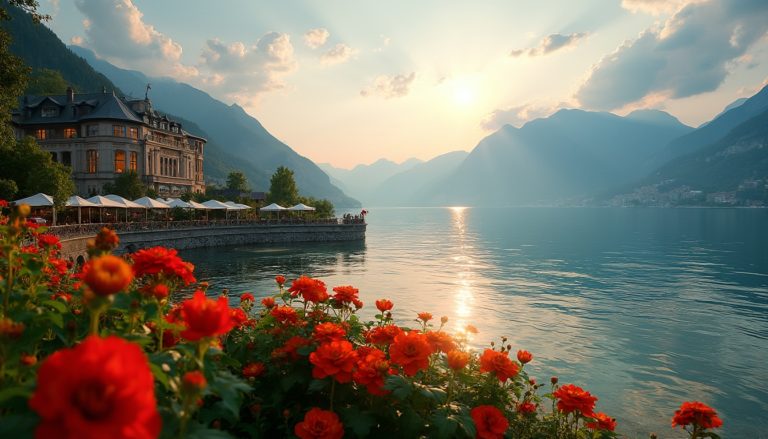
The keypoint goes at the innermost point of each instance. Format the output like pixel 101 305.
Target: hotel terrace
pixel 101 136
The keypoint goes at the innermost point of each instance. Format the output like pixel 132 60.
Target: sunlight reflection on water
pixel 643 307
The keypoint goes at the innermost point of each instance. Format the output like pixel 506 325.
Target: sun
pixel 463 91
pixel 464 95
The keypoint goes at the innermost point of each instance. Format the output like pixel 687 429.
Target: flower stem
pixel 95 316
pixel 159 326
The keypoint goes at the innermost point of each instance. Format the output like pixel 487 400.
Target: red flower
pixel 101 388
pixel 573 398
pixel 268 302
pixel 239 317
pixel 107 275
pixel 312 290
pixel 526 408
pixel 371 370
pixel 3 203
pixel 157 260
pixel 524 356
pixel 335 359
pixel 285 315
pixel 345 294
pixel 328 332
pixel 319 424
pixel 253 370
pixel 280 280
pixel 411 351
pixel 49 241
pixel 602 422
pixel 193 382
pixel 490 423
pixel 158 291
pixel 384 305
pixel 425 316
pixel 440 341
pixel 696 413
pixel 28 360
pixel 457 360
pixel 204 317
pixel 247 296
pixel 499 364
pixel 289 349
pixel 383 335
pixel 106 239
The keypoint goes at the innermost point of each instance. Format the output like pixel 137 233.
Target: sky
pixel 352 81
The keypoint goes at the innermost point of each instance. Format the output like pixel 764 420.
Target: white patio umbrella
pixel 179 203
pixel 128 204
pixel 103 202
pixel 150 203
pixel 274 207
pixel 217 205
pixel 38 200
pixel 301 207
pixel 197 206
pixel 75 201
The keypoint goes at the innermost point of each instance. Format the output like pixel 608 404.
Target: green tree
pixel 46 82
pixel 282 188
pixel 34 171
pixel 323 208
pixel 237 181
pixel 8 189
pixel 128 185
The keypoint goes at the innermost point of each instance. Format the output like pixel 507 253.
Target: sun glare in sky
pixel 463 91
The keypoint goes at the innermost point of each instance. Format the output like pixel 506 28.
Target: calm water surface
pixel 643 307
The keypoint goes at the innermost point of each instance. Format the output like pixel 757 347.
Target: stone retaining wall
pixel 216 236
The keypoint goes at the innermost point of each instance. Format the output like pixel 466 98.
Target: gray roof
pixel 103 106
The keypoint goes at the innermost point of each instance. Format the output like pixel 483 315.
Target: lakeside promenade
pixel 210 233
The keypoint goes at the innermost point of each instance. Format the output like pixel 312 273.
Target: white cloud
pixel 656 7
pixel 338 54
pixel 243 72
pixel 315 38
pixel 116 31
pixel 390 86
pixel 692 52
pixel 551 43
pixel 517 116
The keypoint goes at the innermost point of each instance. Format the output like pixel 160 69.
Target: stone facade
pixel 101 136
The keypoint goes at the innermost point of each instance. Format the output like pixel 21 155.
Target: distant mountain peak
pixel 654 116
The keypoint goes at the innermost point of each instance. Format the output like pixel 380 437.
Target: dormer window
pixel 49 111
pixel 163 126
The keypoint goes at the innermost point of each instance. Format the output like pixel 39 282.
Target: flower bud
pixel 553 380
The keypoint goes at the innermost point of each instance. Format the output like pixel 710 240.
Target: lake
pixel 645 308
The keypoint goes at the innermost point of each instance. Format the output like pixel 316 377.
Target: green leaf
pixel 445 424
pixel 199 431
pixel 399 386
pixel 18 426
pixel 317 386
pixel 161 376
pixel 359 421
pixel 55 304
pixel 14 392
pixel 230 389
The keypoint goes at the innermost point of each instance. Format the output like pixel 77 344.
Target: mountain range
pixel 362 181
pixel 236 140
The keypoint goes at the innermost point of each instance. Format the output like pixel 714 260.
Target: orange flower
pixel 319 424
pixel 48 241
pixel 328 332
pixel 499 364
pixel 345 294
pixel 101 388
pixel 253 370
pixel 571 398
pixel 526 408
pixel 335 359
pixel 524 356
pixel 312 290
pixel 193 382
pixel 247 297
pixel 239 317
pixel 158 291
pixel 11 329
pixel 602 422
pixel 410 351
pixel 280 280
pixel 286 315
pixel 157 260
pixel 457 360
pixel 383 335
pixel 471 329
pixel 371 370
pixel 384 305
pixel 425 316
pixel 28 360
pixel 289 349
pixel 106 239
pixel 204 317
pixel 696 413
pixel 268 302
pixel 490 422
pixel 107 275
pixel 440 341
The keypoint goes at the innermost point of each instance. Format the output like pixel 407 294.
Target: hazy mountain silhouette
pixel 361 181
pixel 568 156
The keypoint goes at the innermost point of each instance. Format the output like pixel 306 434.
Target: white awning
pixel 301 207
pixel 272 208
pixel 179 203
pixel 37 200
pixel 75 201
pixel 196 205
pixel 151 203
pixel 215 205
pixel 124 202
pixel 104 202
